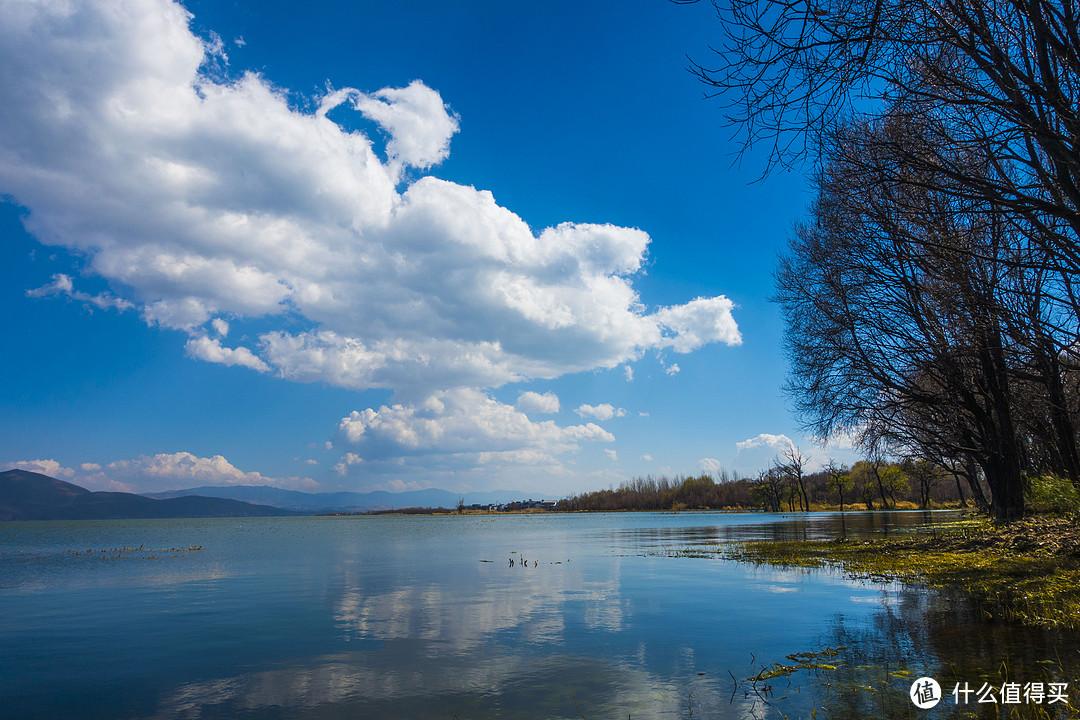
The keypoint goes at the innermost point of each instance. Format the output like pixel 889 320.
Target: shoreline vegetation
pixel 1021 574
pixel 785 487
pixel 814 508
pixel 1025 572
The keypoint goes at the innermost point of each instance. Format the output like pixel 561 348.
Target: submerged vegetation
pixel 1027 572
pixel 800 661
pixel 142 552
pixel 855 681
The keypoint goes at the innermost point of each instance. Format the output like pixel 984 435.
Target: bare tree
pixel 941 264
pixel 999 78
pixel 892 298
pixel 790 467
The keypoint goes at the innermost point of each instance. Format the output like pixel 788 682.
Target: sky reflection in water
pixel 424 617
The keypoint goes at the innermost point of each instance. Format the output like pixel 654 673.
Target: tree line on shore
pixel 873 484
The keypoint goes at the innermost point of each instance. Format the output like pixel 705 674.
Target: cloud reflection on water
pixel 373 684
pixel 420 618
pixel 532 605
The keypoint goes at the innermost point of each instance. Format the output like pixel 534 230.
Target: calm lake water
pixel 423 617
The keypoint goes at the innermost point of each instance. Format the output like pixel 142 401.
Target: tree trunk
pixel 881 488
pixel 1059 415
pixel 1003 469
pixel 971 472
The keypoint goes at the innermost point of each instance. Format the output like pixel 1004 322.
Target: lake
pixel 600 616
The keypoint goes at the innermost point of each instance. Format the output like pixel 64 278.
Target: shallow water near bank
pixel 423 617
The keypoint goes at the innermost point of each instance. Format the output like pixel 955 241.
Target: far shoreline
pixel 814 510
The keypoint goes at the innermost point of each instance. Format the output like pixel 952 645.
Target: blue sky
pixel 381 246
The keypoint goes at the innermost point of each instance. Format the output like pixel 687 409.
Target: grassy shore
pixel 1026 572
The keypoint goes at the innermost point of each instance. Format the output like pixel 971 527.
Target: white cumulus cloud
pixel 603 411
pixel 779 443
pixel 50 467
pixel 455 422
pixel 197 196
pixel 151 473
pixel 760 452
pixel 63 285
pixel 698 322
pixel 346 460
pixel 534 402
pixel 414 117
pixel 169 471
pixel 211 350
pixel 220 327
pixel 710 466
pixel 185 468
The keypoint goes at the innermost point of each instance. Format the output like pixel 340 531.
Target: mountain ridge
pixel 348 501
pixel 28 495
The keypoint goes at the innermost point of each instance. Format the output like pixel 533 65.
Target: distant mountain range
pixel 348 501
pixel 33 496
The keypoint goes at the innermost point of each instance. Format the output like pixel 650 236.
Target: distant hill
pixel 33 496
pixel 349 501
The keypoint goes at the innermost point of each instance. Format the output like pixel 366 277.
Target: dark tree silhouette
pixel 999 78
pixel 895 320
pixel 931 301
